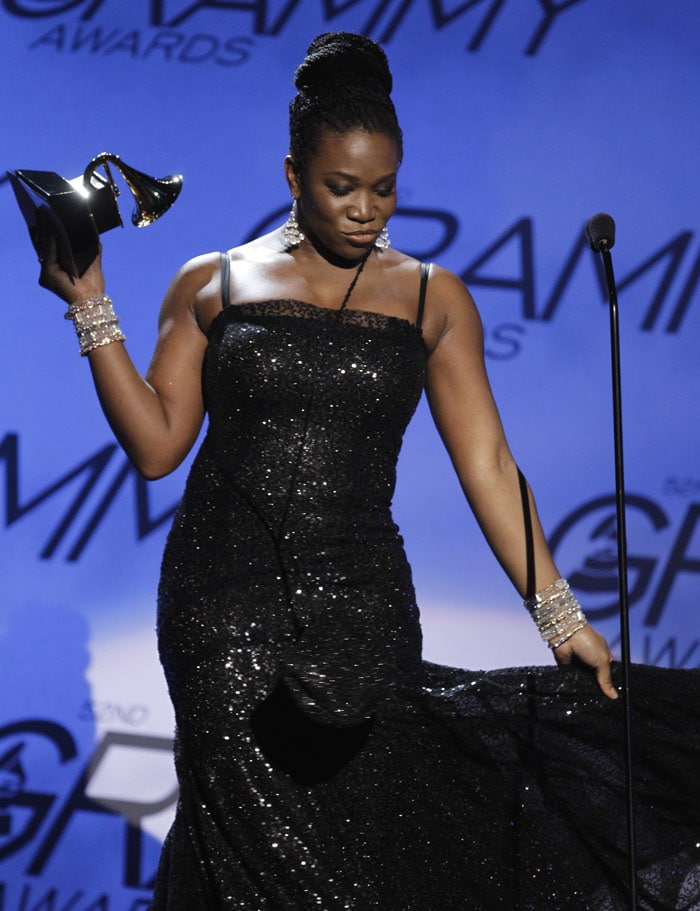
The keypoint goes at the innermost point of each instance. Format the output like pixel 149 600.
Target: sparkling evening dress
pixel 322 764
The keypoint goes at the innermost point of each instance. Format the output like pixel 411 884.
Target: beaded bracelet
pixel 96 323
pixel 556 612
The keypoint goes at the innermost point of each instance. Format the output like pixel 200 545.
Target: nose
pixel 362 208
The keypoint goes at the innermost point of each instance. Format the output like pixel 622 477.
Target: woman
pixel 321 763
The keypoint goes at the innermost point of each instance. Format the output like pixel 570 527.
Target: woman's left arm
pixel 467 418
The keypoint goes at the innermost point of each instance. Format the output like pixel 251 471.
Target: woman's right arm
pixel 155 418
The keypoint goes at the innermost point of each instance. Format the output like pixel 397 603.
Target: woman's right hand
pixel 68 287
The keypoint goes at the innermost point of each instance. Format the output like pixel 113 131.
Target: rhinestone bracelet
pixel 556 613
pixel 95 321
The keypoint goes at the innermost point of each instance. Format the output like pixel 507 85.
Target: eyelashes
pixel 384 192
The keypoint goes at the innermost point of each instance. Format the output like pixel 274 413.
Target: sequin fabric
pixel 322 764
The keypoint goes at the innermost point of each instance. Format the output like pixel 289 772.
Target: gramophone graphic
pixel 12 779
pixel 78 210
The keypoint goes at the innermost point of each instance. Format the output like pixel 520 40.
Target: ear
pixel 293 179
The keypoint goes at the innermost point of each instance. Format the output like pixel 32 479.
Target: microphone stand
pixel 603 245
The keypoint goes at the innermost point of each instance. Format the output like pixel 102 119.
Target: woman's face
pixel 348 192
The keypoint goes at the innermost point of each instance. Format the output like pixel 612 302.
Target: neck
pixel 335 259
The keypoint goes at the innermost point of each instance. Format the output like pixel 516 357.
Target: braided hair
pixel 343 83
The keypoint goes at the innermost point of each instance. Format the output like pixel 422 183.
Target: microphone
pixel 600 232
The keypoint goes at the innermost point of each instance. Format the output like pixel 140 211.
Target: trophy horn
pixel 153 195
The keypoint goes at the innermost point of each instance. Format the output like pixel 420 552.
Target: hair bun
pixel 342 57
pixel 344 84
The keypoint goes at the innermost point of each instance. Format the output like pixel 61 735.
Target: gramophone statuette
pixel 78 210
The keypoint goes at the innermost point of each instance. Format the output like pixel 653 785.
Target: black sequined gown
pixel 322 764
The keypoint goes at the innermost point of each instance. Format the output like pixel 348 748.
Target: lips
pixel 362 238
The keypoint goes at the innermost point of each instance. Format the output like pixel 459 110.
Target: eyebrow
pixel 353 177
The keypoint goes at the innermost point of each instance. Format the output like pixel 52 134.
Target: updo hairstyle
pixel 344 83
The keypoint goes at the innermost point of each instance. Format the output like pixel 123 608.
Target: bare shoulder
pixel 448 291
pixel 194 293
pixel 197 274
pixel 262 249
pixel 195 290
pixel 398 264
pixel 450 310
pixel 192 277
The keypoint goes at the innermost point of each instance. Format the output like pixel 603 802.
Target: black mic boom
pixel 600 232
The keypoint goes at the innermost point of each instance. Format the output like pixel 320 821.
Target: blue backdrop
pixel 522 119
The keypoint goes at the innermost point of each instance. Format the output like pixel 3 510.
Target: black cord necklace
pixel 363 261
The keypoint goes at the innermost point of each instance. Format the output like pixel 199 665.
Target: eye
pixel 386 190
pixel 336 190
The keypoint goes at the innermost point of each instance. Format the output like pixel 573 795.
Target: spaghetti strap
pixel 424 272
pixel 225 280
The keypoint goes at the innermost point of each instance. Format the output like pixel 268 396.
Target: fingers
pixel 588 647
pixel 48 259
pixel 564 654
pixel 604 678
pixel 44 237
pixel 54 277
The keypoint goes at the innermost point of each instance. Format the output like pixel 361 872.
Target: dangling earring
pixel 293 235
pixel 383 242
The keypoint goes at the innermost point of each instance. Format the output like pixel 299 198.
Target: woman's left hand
pixel 588 647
